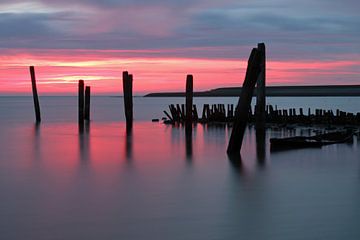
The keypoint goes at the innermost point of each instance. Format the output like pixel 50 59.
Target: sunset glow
pixel 59 72
pixel 161 42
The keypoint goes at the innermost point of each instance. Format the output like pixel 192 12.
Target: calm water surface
pixel 151 184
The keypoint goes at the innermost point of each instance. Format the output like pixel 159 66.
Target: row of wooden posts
pixel 255 74
pixel 84 94
pixel 221 113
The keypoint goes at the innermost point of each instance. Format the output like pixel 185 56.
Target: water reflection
pixel 189 144
pixel 297 191
pixel 129 144
pixel 37 141
pixel 236 163
pixel 260 146
pixel 84 144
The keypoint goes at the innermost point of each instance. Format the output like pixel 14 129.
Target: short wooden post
pixel 242 111
pixel 87 103
pixel 81 104
pixel 189 100
pixel 195 113
pixel 260 87
pixel 128 98
pixel 35 95
pixel 203 116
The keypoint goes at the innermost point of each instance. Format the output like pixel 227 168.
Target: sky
pixel 308 42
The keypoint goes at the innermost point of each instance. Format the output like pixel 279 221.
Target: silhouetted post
pixel 87 103
pixel 244 104
pixel 128 98
pixel 168 116
pixel 180 112
pixel 261 94
pixel 35 95
pixel 195 113
pixel 189 101
pixel 81 104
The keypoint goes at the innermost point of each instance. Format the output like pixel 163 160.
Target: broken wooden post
pixel 81 105
pixel 243 108
pixel 35 95
pixel 189 101
pixel 168 116
pixel 260 87
pixel 87 103
pixel 128 98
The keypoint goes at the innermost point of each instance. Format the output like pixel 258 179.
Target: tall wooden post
pixel 35 95
pixel 189 101
pixel 87 103
pixel 81 105
pixel 244 104
pixel 128 98
pixel 261 88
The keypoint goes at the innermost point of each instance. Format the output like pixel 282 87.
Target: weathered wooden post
pixel 128 98
pixel 242 110
pixel 260 87
pixel 35 95
pixel 87 103
pixel 189 101
pixel 81 105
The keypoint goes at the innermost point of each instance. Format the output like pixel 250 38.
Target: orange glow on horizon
pixel 58 72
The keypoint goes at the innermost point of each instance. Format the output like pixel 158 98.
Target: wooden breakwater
pixel 224 113
pixel 275 91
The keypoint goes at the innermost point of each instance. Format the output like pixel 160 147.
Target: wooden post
pixel 87 103
pixel 203 116
pixel 179 112
pixel 189 100
pixel 242 111
pixel 260 87
pixel 128 98
pixel 195 113
pixel 81 104
pixel 35 95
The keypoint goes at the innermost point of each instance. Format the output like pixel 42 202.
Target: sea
pixel 153 183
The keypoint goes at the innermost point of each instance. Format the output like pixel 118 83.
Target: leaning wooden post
pixel 242 110
pixel 260 87
pixel 87 103
pixel 81 104
pixel 35 95
pixel 128 98
pixel 189 101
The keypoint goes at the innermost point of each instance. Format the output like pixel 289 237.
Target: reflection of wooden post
pixel 189 100
pixel 35 95
pixel 87 103
pixel 243 108
pixel 261 94
pixel 128 98
pixel 81 104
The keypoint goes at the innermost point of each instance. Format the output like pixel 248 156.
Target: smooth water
pixel 152 184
